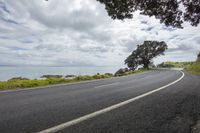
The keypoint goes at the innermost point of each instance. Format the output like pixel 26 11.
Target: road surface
pixel 174 108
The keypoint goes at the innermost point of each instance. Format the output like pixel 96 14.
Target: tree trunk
pixel 146 65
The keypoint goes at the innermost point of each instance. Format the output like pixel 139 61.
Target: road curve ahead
pixel 159 101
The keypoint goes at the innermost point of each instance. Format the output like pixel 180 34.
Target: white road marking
pixel 107 85
pixel 94 114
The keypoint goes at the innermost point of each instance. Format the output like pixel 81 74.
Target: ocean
pixel 36 72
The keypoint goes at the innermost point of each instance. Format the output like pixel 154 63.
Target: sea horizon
pixel 35 72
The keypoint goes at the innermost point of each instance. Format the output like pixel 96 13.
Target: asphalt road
pixel 174 109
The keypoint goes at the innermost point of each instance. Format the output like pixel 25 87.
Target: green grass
pixel 24 83
pixel 194 68
pixel 20 83
pixel 135 72
pixel 179 64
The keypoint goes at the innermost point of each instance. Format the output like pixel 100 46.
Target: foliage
pixel 18 78
pixel 152 65
pixel 50 80
pixel 170 12
pixel 18 83
pixel 179 64
pixel 70 76
pixel 125 71
pixel 51 76
pixel 121 72
pixel 109 74
pixel 194 68
pixel 144 54
pixel 164 65
pixel 198 57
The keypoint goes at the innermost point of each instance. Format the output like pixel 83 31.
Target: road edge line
pixel 107 109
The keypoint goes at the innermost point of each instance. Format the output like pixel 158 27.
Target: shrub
pixel 55 80
pixel 121 72
pixel 108 74
pixel 98 76
pixel 51 76
pixel 166 65
pixel 18 78
pixel 70 76
pixel 194 68
pixel 83 77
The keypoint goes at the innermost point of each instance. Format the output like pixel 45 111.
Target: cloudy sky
pixel 80 33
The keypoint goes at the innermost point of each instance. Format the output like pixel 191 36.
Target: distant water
pixel 36 72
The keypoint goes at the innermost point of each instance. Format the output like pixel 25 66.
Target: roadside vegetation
pixel 126 71
pixel 20 82
pixel 192 67
pixel 175 64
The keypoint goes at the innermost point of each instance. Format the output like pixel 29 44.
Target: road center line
pixel 107 85
pixel 102 111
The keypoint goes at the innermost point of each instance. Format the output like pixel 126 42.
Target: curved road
pixel 174 109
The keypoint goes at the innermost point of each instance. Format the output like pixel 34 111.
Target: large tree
pixel 170 12
pixel 144 54
pixel 198 57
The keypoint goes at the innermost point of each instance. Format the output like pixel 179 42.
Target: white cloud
pixel 79 32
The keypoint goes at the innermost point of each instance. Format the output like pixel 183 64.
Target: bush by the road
pixel 18 78
pixel 51 76
pixel 179 64
pixel 121 72
pixel 126 71
pixel 164 65
pixel 194 68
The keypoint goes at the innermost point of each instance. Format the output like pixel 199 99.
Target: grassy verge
pixel 179 64
pixel 134 72
pixel 194 68
pixel 25 83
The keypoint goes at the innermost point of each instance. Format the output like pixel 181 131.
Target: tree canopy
pixel 144 54
pixel 170 12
